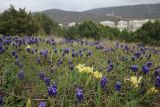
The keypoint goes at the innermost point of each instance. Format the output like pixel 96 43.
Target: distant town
pixel 130 25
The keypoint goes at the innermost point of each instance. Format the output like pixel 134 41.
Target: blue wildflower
pixel 1 50
pixel 38 59
pixel 103 82
pixel 157 82
pixel 149 64
pixel 41 75
pixel 126 48
pixel 110 67
pixel 60 61
pixel 42 104
pixel 32 51
pixel 28 50
pixel 157 71
pixel 134 68
pixel 79 94
pixel 117 45
pixel 50 62
pixel 41 52
pixel 89 54
pixel 45 53
pixel 118 86
pixel 81 54
pixel 16 61
pixel 73 54
pixel 66 51
pixel 52 90
pixel 145 69
pixel 80 51
pixel 55 50
pixel 13 53
pixel 47 81
pixel 21 75
pixel 137 54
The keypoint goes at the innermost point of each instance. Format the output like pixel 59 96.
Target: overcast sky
pixel 70 5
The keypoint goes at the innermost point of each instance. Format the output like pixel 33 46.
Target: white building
pixel 72 24
pixel 136 24
pixel 60 25
pixel 108 23
pixel 122 25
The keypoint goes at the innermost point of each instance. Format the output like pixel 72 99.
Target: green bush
pixel 17 22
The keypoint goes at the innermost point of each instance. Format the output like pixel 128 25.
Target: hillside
pixel 132 11
pixel 99 14
pixel 66 17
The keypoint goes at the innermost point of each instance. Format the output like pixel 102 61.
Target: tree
pixel 17 22
pixel 108 32
pixel 88 29
pixel 149 33
pixel 47 24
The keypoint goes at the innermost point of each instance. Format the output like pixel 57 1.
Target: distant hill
pixel 66 17
pixel 99 14
pixel 131 11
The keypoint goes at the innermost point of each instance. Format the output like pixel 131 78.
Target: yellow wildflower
pixel 86 69
pixel 80 66
pixel 29 47
pixel 97 75
pixel 135 81
pixel 28 103
pixel 152 90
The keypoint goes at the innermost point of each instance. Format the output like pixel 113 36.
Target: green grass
pixel 16 92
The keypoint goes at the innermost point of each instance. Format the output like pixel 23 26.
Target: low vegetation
pixel 37 71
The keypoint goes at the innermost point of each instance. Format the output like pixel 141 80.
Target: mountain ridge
pixel 140 11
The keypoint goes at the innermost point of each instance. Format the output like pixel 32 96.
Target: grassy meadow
pixel 51 72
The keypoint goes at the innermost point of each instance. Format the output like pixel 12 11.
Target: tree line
pixel 149 33
pixel 20 22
